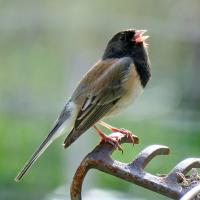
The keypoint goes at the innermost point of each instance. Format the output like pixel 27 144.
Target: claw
pixel 112 140
pixel 126 132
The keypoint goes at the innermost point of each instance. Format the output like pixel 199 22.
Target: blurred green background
pixel 46 47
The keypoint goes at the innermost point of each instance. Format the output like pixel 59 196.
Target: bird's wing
pixel 100 92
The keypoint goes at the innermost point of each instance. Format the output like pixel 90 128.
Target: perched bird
pixel 111 84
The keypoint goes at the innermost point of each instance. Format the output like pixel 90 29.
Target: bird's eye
pixel 122 37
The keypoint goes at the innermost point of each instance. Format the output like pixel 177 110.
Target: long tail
pixel 47 141
pixel 54 133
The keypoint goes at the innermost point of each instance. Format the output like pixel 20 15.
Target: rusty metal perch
pixel 169 185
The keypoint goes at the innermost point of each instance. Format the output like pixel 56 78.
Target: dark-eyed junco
pixel 111 84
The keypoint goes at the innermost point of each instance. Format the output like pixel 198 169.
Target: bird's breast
pixel 132 89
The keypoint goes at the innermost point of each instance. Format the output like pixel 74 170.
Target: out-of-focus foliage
pixel 45 48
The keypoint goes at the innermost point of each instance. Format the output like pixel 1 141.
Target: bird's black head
pixel 131 43
pixel 128 43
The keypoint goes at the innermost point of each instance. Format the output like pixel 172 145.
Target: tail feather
pixel 63 122
pixel 47 141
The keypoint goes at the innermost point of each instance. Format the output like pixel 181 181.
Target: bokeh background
pixel 46 47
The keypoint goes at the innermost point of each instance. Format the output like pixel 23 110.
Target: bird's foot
pixel 111 139
pixel 126 132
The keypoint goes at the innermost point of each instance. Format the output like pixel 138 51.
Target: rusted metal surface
pixel 169 185
pixel 194 194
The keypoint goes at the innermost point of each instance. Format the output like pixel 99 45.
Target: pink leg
pixel 121 130
pixel 112 140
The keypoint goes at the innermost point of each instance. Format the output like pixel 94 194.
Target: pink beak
pixel 139 37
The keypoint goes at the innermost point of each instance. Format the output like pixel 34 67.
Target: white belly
pixel 137 90
pixel 133 89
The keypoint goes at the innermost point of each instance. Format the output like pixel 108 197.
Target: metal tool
pixel 172 185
